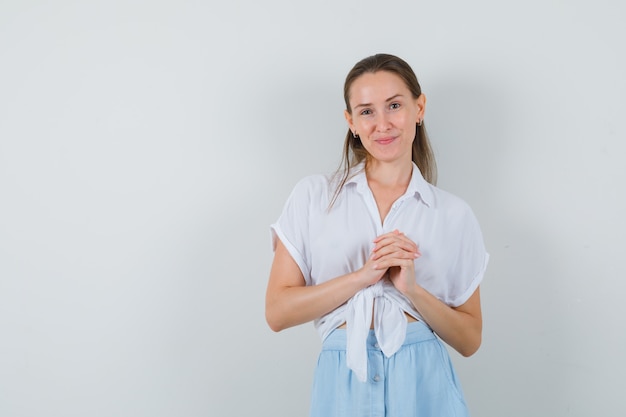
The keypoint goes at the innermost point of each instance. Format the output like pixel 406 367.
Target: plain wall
pixel 145 147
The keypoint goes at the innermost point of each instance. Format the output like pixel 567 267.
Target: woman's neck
pixel 389 174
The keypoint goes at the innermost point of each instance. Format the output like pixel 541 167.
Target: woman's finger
pixel 400 254
pixel 400 241
pixel 389 261
pixel 390 249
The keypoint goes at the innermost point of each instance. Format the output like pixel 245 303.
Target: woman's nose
pixel 382 122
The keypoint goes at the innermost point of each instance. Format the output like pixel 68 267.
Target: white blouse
pixel 330 242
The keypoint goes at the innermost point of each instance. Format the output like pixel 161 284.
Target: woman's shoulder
pixel 312 188
pixel 313 183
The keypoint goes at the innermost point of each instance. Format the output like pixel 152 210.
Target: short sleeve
pixel 292 227
pixel 469 258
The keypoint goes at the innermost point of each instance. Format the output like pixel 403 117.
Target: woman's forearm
pixel 289 301
pixel 459 327
pixel 290 306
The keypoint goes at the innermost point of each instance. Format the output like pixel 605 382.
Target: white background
pixel 145 147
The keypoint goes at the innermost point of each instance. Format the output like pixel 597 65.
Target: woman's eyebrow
pixel 394 97
pixel 369 104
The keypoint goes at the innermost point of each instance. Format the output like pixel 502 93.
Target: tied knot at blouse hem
pixel 389 326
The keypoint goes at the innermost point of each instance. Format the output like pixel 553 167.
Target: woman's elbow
pixel 468 349
pixel 275 326
pixel 273 320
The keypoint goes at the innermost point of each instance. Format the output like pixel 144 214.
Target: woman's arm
pixel 289 301
pixel 460 327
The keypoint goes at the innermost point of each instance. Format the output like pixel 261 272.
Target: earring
pixel 356 135
pixel 420 122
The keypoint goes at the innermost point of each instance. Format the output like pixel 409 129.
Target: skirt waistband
pixel 415 332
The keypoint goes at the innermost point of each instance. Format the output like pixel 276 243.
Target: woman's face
pixel 384 115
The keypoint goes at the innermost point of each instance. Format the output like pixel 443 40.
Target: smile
pixel 385 141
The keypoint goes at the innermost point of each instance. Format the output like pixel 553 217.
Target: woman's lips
pixel 385 141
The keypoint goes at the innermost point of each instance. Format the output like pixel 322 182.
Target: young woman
pixel 381 260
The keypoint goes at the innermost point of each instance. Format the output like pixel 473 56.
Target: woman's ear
pixel 421 108
pixel 348 117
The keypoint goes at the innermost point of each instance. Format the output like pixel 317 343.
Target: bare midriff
pixel 409 318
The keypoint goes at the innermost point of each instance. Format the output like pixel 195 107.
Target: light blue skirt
pixel 417 381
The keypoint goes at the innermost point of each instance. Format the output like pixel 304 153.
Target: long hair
pixel 353 150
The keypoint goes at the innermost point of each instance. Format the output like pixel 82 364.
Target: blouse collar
pixel 418 186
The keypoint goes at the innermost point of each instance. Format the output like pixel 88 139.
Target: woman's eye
pixel 394 106
pixel 366 112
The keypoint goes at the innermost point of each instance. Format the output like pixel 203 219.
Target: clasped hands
pixel 393 253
